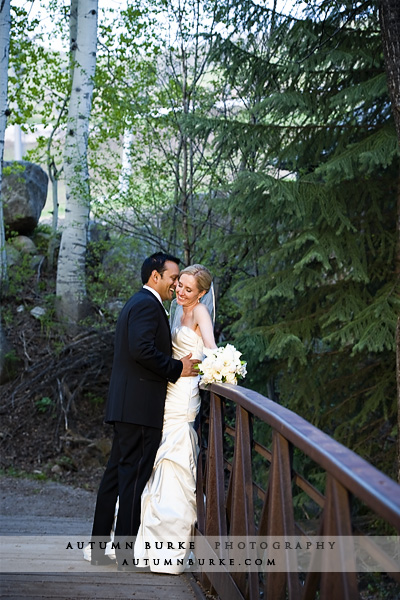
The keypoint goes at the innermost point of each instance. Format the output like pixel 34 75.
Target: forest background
pixel 258 138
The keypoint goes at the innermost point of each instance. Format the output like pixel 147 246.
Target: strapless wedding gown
pixel 168 511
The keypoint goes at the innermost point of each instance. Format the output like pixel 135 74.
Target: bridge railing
pixel 231 503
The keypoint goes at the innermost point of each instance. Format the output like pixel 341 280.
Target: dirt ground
pixel 52 410
pixel 35 498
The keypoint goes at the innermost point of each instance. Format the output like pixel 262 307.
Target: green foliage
pixel 313 212
pixel 66 462
pixel 13 169
pixel 41 237
pixel 12 472
pixel 38 76
pixel 44 404
pixel 94 399
pixel 11 363
pixel 268 152
pixel 113 273
pixel 49 322
pixel 19 277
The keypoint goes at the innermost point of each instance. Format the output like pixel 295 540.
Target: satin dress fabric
pixel 168 508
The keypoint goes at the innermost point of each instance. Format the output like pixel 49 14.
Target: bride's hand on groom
pixel 189 366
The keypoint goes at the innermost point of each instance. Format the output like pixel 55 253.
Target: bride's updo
pixel 201 274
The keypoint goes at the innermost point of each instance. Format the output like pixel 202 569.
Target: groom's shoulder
pixel 140 303
pixel 142 297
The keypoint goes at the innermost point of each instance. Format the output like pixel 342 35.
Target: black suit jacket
pixel 142 363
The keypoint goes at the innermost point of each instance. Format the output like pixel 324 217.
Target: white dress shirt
pixel 153 291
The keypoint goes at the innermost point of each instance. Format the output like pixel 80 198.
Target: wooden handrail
pixel 229 493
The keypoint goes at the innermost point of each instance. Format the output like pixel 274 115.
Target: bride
pixel 168 504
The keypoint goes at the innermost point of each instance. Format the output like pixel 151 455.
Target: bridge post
pixel 277 518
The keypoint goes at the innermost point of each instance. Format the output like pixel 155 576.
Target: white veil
pixel 176 310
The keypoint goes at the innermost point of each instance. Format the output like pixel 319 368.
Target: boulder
pixel 115 306
pixel 17 247
pixel 24 244
pixel 13 255
pixel 24 193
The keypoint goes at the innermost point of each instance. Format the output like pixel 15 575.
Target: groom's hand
pixel 188 366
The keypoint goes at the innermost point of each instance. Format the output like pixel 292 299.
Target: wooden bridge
pixel 225 480
pixel 249 489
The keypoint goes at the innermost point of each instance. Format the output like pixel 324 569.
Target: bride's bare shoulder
pixel 200 312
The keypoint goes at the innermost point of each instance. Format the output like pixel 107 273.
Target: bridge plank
pixel 98 586
pixel 72 578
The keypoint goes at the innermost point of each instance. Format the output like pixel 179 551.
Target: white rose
pixel 231 378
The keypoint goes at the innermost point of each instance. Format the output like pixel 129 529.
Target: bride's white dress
pixel 168 510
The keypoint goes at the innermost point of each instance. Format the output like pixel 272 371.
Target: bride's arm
pixel 203 320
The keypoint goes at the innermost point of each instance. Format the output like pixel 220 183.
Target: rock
pixel 19 246
pixel 24 193
pixel 13 255
pixel 24 244
pixel 38 312
pixel 115 306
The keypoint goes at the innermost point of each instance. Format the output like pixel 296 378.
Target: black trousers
pixel 128 469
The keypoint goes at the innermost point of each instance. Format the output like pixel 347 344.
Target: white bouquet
pixel 222 365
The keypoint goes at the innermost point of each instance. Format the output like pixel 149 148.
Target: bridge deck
pixel 36 508
pixel 112 585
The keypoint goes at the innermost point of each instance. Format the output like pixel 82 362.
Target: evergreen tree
pixel 390 28
pixel 314 208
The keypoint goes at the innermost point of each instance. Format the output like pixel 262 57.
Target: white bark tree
pixel 71 284
pixel 5 23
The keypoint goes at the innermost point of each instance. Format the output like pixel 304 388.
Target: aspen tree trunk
pixel 73 34
pixel 71 282
pixel 185 166
pixel 390 29
pixel 54 173
pixel 5 23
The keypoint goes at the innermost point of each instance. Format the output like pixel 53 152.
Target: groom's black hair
pixel 156 261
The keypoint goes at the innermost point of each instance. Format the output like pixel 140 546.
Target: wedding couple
pixel 153 402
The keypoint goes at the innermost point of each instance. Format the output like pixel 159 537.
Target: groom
pixel 141 370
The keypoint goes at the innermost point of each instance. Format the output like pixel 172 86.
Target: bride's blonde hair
pixel 202 275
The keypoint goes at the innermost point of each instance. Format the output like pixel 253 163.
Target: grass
pixel 20 473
